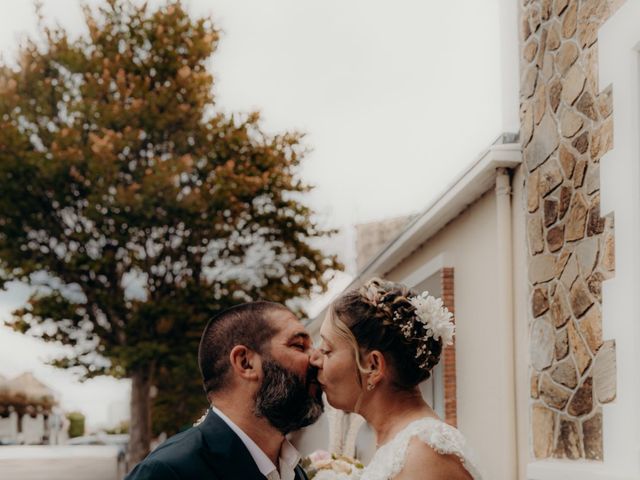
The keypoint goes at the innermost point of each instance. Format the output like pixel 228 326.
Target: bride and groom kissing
pixel 264 379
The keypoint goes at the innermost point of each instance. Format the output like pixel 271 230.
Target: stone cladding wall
pixel 566 128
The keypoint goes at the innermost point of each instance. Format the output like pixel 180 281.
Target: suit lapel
pixel 225 453
pixel 300 473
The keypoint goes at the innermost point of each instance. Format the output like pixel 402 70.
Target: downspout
pixel 506 335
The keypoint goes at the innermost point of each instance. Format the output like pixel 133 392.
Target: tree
pixel 134 209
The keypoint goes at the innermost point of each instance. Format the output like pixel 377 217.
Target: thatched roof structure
pixel 25 393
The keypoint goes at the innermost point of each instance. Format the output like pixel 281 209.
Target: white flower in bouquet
pixel 322 465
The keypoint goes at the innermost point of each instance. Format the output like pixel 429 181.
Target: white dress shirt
pixel 289 456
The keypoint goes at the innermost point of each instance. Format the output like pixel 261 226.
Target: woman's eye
pixel 324 351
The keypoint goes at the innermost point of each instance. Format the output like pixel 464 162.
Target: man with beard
pixel 254 360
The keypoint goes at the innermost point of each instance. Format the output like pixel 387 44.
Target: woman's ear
pixel 245 362
pixel 377 366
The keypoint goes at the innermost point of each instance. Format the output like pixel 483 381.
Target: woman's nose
pixel 315 358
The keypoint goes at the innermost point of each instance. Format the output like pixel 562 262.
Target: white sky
pixel 396 96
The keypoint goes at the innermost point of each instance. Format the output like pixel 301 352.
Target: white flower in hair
pixel 435 316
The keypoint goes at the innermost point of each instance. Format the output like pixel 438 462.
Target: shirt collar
pixel 289 456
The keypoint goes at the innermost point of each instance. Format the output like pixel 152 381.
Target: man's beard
pixel 284 398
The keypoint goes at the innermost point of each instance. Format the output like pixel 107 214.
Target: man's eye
pixel 300 347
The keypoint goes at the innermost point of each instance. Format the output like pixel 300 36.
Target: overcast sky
pixel 396 98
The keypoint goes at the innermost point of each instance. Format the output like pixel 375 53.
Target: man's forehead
pixel 286 323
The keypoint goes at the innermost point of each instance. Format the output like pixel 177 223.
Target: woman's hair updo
pixel 381 316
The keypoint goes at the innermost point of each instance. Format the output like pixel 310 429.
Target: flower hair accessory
pixel 435 317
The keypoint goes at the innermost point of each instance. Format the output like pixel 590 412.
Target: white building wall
pixel 619 59
pixel 485 397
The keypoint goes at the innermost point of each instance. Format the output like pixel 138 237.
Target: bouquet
pixel 322 465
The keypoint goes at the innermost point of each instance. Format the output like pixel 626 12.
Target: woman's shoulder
pixel 440 436
pixel 424 461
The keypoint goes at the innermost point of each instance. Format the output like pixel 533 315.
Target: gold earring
pixel 370 386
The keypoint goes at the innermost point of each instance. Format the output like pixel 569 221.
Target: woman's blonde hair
pixel 371 318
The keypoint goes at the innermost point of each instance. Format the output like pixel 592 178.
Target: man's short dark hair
pixel 246 324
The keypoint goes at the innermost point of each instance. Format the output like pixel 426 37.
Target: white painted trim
pixel 619 66
pixel 423 272
pixel 582 470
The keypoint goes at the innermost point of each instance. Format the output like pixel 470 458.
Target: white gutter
pixel 506 330
pixel 462 192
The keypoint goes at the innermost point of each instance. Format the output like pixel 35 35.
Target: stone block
pixel 534 232
pixel 594 283
pixel 560 6
pixel 562 344
pixel 542 345
pixel 534 385
pixel 555 93
pixel 602 140
pixel 592 180
pixel 567 161
pixel 541 268
pixel 570 122
pixel 577 219
pixel 539 302
pixel 550 211
pixel 568 444
pixel 592 437
pixel 578 175
pixel 595 226
pixel 553 37
pixel 605 102
pixel 550 177
pixel 533 187
pixel 609 253
pixel 543 425
pixel 566 57
pixel 547 67
pixel 530 49
pixel 591 328
pixel 529 82
pixel 570 20
pixel 570 272
pixel 578 349
pixel 604 372
pixel 581 142
pixel 527 125
pixel 553 395
pixel 565 374
pixel 565 201
pixel 559 307
pixel 539 102
pixel 544 142
pixel 573 84
pixel 587 255
pixel 586 106
pixel 582 401
pixel 580 298
pixel 555 238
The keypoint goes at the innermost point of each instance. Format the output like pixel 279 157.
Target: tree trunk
pixel 140 427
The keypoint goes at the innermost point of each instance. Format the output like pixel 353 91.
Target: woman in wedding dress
pixel 378 344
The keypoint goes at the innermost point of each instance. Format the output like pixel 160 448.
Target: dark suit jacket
pixel 209 451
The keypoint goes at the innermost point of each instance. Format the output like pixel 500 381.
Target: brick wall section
pixel 449 353
pixel 566 126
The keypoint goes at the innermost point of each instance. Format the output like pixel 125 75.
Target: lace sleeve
pixel 390 459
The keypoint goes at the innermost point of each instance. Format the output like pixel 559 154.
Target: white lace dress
pixel 389 459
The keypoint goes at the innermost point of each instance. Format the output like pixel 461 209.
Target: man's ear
pixel 245 362
pixel 377 366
